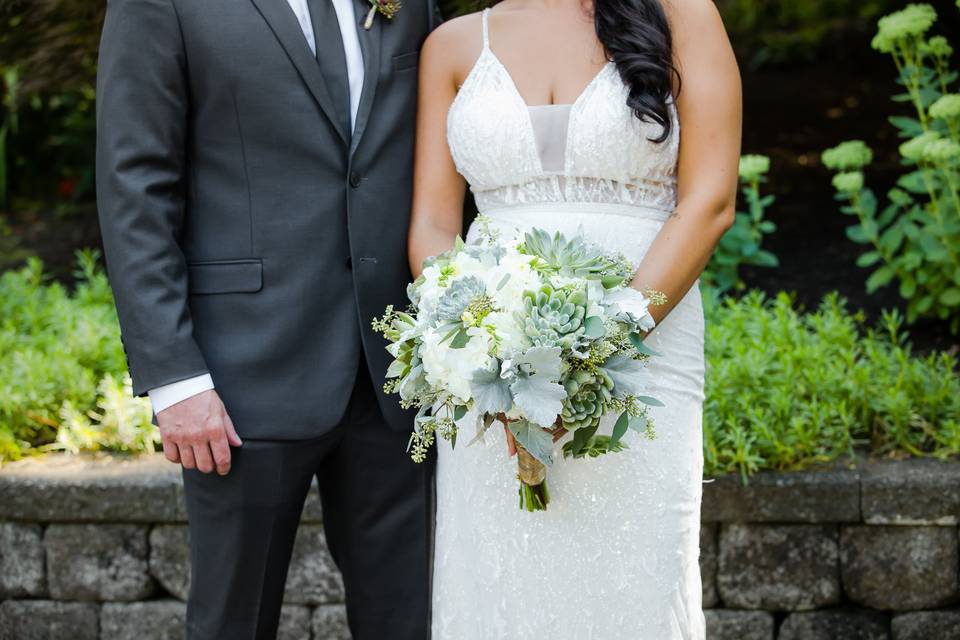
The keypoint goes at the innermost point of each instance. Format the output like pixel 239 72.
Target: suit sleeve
pixel 142 110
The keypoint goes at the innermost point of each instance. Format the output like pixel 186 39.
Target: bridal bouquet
pixel 539 332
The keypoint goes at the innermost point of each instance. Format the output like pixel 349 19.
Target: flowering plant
pixel 539 331
pixel 915 239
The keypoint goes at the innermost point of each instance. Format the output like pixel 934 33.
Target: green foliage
pixel 741 244
pixel 915 238
pixel 772 32
pixel 785 390
pixel 49 47
pixel 62 368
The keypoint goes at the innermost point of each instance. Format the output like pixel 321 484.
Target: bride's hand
pixel 557 433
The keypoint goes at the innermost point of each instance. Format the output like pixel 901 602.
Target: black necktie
pixel 331 57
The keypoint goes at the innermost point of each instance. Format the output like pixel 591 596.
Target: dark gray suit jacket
pixel 247 233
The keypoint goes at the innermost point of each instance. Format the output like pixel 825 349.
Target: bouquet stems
pixel 533 481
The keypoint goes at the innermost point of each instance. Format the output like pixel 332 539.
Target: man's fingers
pixel 187 459
pixel 171 451
pixel 232 436
pixel 204 457
pixel 221 454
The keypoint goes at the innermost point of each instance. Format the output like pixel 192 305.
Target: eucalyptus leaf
pixel 619 429
pixel 534 439
pixel 650 401
pixel 640 345
pixel 639 423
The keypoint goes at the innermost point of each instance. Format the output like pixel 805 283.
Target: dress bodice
pixel 594 150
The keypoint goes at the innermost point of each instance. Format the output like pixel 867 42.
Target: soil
pixel 791 113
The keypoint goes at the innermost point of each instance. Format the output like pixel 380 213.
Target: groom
pixel 253 178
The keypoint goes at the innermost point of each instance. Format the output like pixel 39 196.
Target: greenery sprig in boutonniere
pixel 388 8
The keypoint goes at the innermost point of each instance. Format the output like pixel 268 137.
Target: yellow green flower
pixel 939 47
pixel 946 107
pixel 753 167
pixel 942 151
pixel 912 21
pixel 917 148
pixel 848 156
pixel 848 182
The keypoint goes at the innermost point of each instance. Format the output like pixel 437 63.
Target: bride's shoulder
pixel 455 44
pixel 692 16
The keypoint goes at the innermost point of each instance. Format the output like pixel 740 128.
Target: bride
pixel 566 115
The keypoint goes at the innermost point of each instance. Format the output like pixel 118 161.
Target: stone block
pixel 21 560
pixel 899 568
pixel 927 625
pixel 98 562
pixel 91 489
pixel 295 623
pixel 330 623
pixel 828 495
pixel 724 624
pixel 170 558
pixel 312 512
pixel 152 620
pixel 778 567
pixel 313 577
pixel 835 624
pixel 907 492
pixel 708 564
pixel 48 620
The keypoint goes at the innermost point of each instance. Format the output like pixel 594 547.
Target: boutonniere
pixel 388 8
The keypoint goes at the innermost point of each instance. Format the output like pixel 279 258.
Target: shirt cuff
pixel 170 394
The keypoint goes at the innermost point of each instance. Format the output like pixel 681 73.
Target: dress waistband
pixel 544 208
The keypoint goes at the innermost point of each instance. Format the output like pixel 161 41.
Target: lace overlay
pixel 615 557
pixel 608 153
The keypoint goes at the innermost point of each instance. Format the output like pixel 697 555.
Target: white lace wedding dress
pixel 615 556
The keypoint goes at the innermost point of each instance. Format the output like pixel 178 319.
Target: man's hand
pixel 198 433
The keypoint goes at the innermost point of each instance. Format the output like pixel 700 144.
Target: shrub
pixel 785 389
pixel 915 239
pixel 741 244
pixel 61 366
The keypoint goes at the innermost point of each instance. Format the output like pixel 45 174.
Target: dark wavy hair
pixel 636 36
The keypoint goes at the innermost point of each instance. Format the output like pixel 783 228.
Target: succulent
pixel 573 257
pixel 588 395
pixel 458 298
pixel 554 317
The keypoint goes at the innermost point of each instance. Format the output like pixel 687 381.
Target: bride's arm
pixel 710 117
pixel 438 190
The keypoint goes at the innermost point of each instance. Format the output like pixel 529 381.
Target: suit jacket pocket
pixel 225 276
pixel 406 61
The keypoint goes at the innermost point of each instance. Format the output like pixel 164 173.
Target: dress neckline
pixel 513 85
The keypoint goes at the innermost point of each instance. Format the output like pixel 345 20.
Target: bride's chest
pixel 496 139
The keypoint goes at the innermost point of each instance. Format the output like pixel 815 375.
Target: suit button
pixel 354 179
pixel 348 262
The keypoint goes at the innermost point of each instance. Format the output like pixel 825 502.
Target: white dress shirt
pixel 168 395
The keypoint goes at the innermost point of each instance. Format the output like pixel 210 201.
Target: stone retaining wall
pixel 96 549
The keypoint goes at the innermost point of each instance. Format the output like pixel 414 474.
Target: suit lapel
pixel 285 27
pixel 370 45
